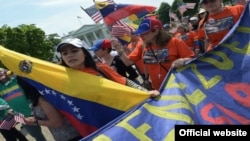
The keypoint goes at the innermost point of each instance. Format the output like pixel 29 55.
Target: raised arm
pixel 121 52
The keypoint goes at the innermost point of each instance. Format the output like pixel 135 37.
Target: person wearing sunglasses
pixel 218 22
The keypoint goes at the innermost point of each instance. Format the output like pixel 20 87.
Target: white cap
pixel 193 19
pixel 72 41
pixel 202 10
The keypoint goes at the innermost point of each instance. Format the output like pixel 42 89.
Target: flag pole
pixel 78 17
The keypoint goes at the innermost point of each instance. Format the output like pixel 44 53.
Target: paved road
pixel 45 131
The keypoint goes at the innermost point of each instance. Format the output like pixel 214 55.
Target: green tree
pixel 163 13
pixel 192 12
pixel 188 12
pixel 29 40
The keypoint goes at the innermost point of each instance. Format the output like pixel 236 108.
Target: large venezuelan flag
pixel 213 89
pixel 115 12
pixel 88 101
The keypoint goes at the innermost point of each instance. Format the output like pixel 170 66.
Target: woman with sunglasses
pixel 218 21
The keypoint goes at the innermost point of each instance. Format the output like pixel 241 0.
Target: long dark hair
pixel 162 38
pixel 30 92
pixel 89 60
pixel 204 20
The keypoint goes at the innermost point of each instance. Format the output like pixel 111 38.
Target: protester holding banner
pixel 12 134
pixel 218 22
pixel 13 95
pixel 75 55
pixel 161 51
pixel 47 115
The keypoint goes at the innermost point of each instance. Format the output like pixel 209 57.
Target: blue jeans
pixel 35 131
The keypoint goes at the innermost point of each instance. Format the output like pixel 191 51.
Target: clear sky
pixel 55 16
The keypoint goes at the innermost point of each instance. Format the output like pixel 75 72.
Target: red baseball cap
pixel 104 43
pixel 148 24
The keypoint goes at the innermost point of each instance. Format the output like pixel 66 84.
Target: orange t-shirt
pixel 175 49
pixel 139 64
pixel 110 73
pixel 190 38
pixel 218 25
